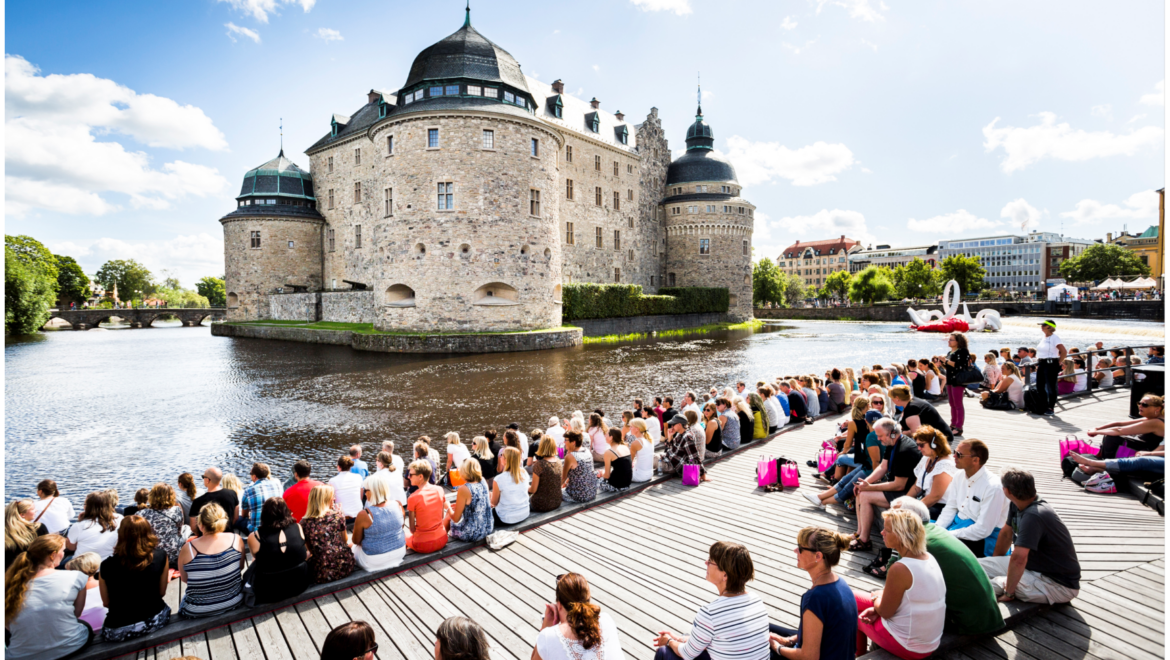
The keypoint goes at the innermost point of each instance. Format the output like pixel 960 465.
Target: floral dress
pixel 477 520
pixel 168 527
pixel 325 538
pixel 582 479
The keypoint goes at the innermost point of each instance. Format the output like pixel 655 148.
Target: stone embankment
pixel 408 343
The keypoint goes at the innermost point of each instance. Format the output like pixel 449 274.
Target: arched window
pixel 495 293
pixel 233 301
pixel 557 294
pixel 399 295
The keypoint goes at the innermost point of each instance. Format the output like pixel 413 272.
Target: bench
pixel 1013 612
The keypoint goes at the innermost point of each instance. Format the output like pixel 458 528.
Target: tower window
pixel 534 202
pixel 433 138
pixel 491 92
pixel 330 198
pixel 741 210
pixel 617 274
pixel 704 246
pixel 710 208
pixel 630 255
pixel 452 90
pixel 629 169
pixel 615 168
pixel 569 239
pixel 332 241
pixel 630 194
pixel 617 240
pixel 597 163
pixel 670 279
pixel 357 192
pixel 597 237
pixel 357 236
pixel 509 97
pixel 569 189
pixel 489 139
pixel 651 280
pixel 617 201
pixel 746 248
pixel 446 196
pixel 436 91
pixel 331 163
pixel 389 201
pixel 390 145
pixel 568 153
pixel 256 240
pixel 357 156
pixel 474 90
pixel 597 196
pixel 535 147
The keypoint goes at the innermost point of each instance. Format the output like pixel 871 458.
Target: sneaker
pixel 1096 478
pixel 811 464
pixel 816 501
pixel 1049 413
pixel 1105 487
pixel 850 504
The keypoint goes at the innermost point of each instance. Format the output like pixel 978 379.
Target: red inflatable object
pixel 951 324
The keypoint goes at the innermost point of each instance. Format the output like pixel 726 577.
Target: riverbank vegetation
pixel 605 301
pixel 754 324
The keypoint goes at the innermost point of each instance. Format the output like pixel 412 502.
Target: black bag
pixel 1033 403
pixel 968 375
pixel 998 401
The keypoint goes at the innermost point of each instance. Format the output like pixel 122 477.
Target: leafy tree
pixel 767 283
pixel 837 285
pixel 180 297
pixel 916 280
pixel 31 252
pixel 967 271
pixel 132 278
pixel 1102 261
pixel 213 289
pixel 72 283
pixel 169 281
pixel 871 285
pixel 30 289
pixel 794 289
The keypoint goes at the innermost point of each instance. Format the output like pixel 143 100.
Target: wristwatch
pixel 1010 594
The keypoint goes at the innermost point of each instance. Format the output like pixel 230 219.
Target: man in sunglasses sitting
pixel 976 505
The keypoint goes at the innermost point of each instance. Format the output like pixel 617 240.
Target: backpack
pixel 1033 402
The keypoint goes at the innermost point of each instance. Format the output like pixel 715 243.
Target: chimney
pixel 374 95
pixel 558 86
pixel 1109 237
pixel 798 242
pixel 619 115
pixel 595 103
pixel 842 236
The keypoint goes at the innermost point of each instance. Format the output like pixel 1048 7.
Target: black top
pixel 134 595
pixel 918 385
pixel 961 358
pixel 747 427
pixel 860 455
pixel 224 497
pixel 621 471
pixel 927 415
pixel 11 555
pixel 280 573
pixel 487 466
pixel 797 405
pixel 667 415
pixel 716 443
pixel 902 458
pixel 1043 533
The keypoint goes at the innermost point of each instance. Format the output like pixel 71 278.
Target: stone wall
pixel 388 343
pixel 656 323
pixel 289 253
pixel 348 306
pixel 729 234
pixel 283 333
pixel 293 307
pixel 655 151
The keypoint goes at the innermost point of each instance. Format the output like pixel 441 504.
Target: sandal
pixel 857 545
pixel 878 571
pixel 774 488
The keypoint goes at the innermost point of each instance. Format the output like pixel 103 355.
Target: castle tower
pixel 708 224
pixel 272 241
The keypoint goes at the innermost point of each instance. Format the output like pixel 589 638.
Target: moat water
pixel 128 408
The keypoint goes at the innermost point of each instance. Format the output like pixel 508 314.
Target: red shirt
pixel 297 497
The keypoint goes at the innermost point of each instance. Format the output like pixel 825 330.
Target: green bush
pixel 602 301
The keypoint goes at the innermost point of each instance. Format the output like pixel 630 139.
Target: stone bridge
pixel 84 319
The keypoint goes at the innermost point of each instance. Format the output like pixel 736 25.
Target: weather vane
pixel 282 136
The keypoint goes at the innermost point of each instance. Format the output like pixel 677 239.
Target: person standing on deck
pixel 1050 353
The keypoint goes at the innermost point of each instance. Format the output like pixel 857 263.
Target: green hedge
pixel 603 301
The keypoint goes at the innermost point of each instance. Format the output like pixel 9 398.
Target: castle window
pixel 630 194
pixel 651 280
pixel 631 219
pixel 615 168
pixel 357 192
pixel 746 248
pixel 629 169
pixel 390 145
pixel 569 239
pixel 452 90
pixel 436 91
pixel 331 163
pixel 432 138
pixel 491 92
pixel 256 239
pixel 535 147
pixel 330 198
pixel 656 248
pixel 407 99
pixel 357 237
pixel 704 246
pixel 617 201
pixel 692 209
pixel 509 97
pixel 617 274
pixel 597 196
pixel 569 189
pixel 597 237
pixel 446 196
pixel 597 163
pixel 623 135
pixel 474 90
pixel 534 202
pixel 489 139
pixel 741 210
pixel 332 241
pixel 726 209
pixel 670 279
pixel 630 255
pixel 389 201
pixel 568 153
pixel 357 156
pixel 617 240
pixel 675 210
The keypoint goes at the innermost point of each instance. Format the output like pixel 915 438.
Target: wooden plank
pixel 220 645
pixel 315 623
pixel 292 628
pixel 168 651
pixel 196 645
pixel 507 642
pixel 398 633
pixel 356 611
pixel 1097 642
pixel 271 638
pixel 246 640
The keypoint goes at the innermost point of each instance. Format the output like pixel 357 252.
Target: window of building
pixel 675 210
pixel 629 168
pixel 452 90
pixel 629 255
pixel 704 246
pixel 617 274
pixel 330 198
pixel 630 194
pixel 651 280
pixel 597 196
pixel 489 140
pixel 598 238
pixel 692 209
pixel 436 91
pixel 332 240
pixel 509 97
pixel 535 147
pixel 617 201
pixel 569 239
pixel 389 201
pixel 597 163
pixel 390 145
pixel 670 279
pixel 710 208
pixel 474 90
pixel 357 236
pixel 330 164
pixel 617 240
pixel 446 196
pixel 357 192
pixel 491 92
pixel 357 156
pixel 432 138
pixel 568 153
pixel 745 248
pixel 569 189
pixel 631 221
pixel 255 240
pixel 656 248
pixel 534 202
pixel 615 168
pixel 741 210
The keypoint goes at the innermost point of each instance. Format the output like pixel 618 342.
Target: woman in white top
pixel 642 449
pixel 347 488
pixel 1011 381
pixel 42 604
pixel 597 433
pixel 510 489
pixel 457 452
pixel 575 628
pixel 391 470
pixel 653 425
pixel 1105 376
pixel 933 474
pixel 933 381
pixel 50 509
pixel 906 618
pixel 97 528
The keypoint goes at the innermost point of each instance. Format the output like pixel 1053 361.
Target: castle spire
pixel 699 95
pixel 467 18
pixel 282 137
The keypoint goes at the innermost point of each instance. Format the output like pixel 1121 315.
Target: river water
pixel 127 408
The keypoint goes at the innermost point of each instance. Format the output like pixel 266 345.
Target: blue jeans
pixel 845 486
pixel 1136 464
pixel 846 460
pixel 981 547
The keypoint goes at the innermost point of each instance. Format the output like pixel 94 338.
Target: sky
pixel 129 125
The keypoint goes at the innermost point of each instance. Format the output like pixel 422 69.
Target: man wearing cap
pixel 681 449
pixel 1050 353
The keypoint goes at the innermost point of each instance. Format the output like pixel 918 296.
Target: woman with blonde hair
pixel 95 612
pixel 642 451
pixel 746 421
pixel 330 557
pixel 378 540
pixel 828 610
pixel 210 566
pixel 96 529
pixel 41 604
pixel 545 492
pixel 906 618
pixel 456 453
pixel 19 529
pixel 471 517
pixel 510 490
pixel 387 465
pixel 1011 384
pixel 1067 384
pixel 574 626
pixel 166 519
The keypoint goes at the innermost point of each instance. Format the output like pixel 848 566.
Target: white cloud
pixel 187 257
pixel 826 224
pixel 760 162
pixel 861 9
pixel 869 44
pixel 788 23
pixel 1104 111
pixel 1025 146
pixel 1137 117
pixel 1139 205
pixel 1157 97
pixel 952 223
pixel 260 9
pixel 707 94
pixel 55 162
pixel 328 35
pixel 679 7
pixel 234 30
pixel 1022 214
pixel 596 67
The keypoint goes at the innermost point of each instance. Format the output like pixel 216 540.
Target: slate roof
pixel 820 248
pixel 278 177
pixel 274 211
pixel 700 163
pixel 465 54
pixel 573 114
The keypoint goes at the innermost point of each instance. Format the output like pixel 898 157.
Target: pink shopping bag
pixel 560 452
pixel 1067 445
pixel 766 471
pixel 825 460
pixel 829 444
pixel 790 476
pixel 690 476
pixel 1123 452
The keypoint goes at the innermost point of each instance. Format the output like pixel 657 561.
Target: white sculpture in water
pixel 947 320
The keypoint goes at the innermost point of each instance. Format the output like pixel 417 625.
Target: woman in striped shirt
pixel 734 626
pixel 210 566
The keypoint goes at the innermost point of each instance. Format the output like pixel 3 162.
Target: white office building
pixel 1013 263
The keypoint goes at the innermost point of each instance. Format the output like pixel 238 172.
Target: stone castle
pixel 466 199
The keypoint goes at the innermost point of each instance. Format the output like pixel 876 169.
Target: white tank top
pixel 934 387
pixel 644 461
pixel 918 623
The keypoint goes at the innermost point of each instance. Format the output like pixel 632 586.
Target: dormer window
pixel 509 97
pixel 491 92
pixel 336 128
pixel 556 106
pixel 436 91
pixel 622 133
pixel 452 90
pixel 593 122
pixel 474 90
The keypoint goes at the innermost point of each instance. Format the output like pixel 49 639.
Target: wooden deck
pixel 643 555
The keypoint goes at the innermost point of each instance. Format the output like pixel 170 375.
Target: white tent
pixel 1140 283
pixel 1108 284
pixel 1063 292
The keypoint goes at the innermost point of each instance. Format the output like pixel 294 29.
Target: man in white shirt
pixel 976 505
pixel 347 488
pixel 690 403
pixel 520 434
pixel 556 431
pixel 399 464
pixel 653 426
pixel 1050 353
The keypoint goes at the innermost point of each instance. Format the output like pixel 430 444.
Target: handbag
pixel 789 476
pixel 690 475
pixel 967 375
pixel 766 472
pixel 825 459
pixel 38 518
pixel 1074 444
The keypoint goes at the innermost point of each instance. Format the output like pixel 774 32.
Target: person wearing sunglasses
pixel 976 507
pixel 734 626
pixel 574 627
pixel 350 641
pixel 1145 434
pixel 828 610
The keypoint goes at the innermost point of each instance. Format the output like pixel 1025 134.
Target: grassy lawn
pixel 753 324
